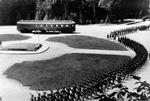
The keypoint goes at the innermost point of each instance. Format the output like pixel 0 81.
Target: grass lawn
pixel 87 42
pixel 57 72
pixel 12 37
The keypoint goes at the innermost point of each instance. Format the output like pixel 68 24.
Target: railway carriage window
pixel 45 25
pixel 67 25
pixel 51 25
pixel 41 25
pixel 56 25
pixel 62 25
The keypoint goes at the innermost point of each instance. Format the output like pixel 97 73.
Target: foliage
pixel 14 10
pixel 89 11
pixel 122 93
pixel 81 11
pixel 106 4
pixel 111 6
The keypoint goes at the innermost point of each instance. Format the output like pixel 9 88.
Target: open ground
pixel 12 90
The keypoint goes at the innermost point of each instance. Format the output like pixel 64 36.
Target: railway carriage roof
pixel 45 22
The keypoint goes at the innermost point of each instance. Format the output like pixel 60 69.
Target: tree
pixel 81 11
pixel 112 7
pixel 38 10
pixel 143 6
pixel 107 5
pixel 13 10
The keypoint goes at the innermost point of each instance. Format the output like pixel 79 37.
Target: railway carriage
pixel 28 26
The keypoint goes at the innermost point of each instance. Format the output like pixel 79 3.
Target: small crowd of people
pixel 125 31
pixel 95 85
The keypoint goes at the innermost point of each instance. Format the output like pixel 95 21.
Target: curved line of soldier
pixel 95 85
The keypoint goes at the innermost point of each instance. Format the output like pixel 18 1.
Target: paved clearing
pixel 12 90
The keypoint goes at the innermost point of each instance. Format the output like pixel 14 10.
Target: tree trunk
pixel 36 16
pixel 37 10
pixel 66 11
pixel 106 19
pixel 94 10
pixel 46 17
pixel 140 12
pixel 80 19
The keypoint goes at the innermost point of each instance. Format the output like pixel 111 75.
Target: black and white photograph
pixel 74 50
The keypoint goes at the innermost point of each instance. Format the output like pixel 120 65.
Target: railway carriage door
pixel 45 27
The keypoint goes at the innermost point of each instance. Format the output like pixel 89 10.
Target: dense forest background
pixel 81 11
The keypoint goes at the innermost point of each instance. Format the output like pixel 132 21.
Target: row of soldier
pixel 141 53
pixel 127 70
pixel 125 31
pixel 63 94
pixel 95 85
